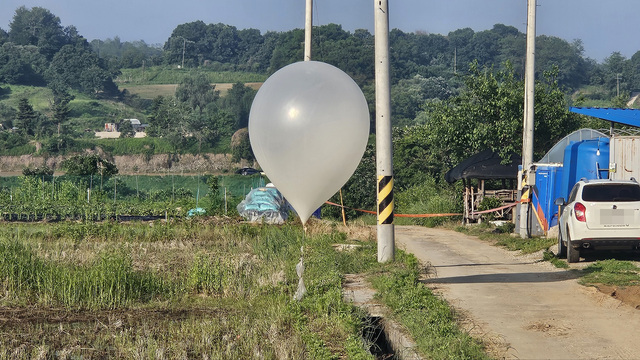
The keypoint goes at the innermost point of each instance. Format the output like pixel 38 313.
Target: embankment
pixel 131 164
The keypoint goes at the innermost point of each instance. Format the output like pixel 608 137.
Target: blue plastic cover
pixel 587 159
pixel 556 154
pixel 622 116
pixel 264 204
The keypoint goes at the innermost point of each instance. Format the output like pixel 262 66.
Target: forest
pixel 465 87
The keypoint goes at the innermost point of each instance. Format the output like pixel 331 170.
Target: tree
pixel 60 105
pixel 21 64
pixel 241 146
pixel 197 92
pixel 38 27
pixel 487 114
pixel 4 37
pixel 238 102
pixel 567 57
pixel 58 143
pixel 77 67
pixel 7 114
pixel 81 165
pixel 27 117
pixel 126 129
pixel 408 96
pixel 37 171
pixel 10 140
pixel 615 74
pixel 250 43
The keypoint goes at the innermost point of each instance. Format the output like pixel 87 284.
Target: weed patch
pixel 428 318
pixel 553 259
pixel 498 236
pixel 611 272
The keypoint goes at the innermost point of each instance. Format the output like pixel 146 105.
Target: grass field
pixel 211 289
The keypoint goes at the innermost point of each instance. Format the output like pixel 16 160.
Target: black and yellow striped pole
pixel 385 200
pixel 384 153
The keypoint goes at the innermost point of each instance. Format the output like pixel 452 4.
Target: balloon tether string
pixel 300 269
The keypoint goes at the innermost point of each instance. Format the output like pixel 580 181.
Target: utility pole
pixel 617 85
pixel 528 175
pixel 308 24
pixel 384 148
pixel 455 61
pixel 184 46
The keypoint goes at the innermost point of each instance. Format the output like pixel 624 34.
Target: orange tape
pixel 346 207
pixel 398 215
pixel 432 215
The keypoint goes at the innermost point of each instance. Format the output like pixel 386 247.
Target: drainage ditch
pixel 386 337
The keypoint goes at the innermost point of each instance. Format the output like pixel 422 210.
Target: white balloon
pixel 308 127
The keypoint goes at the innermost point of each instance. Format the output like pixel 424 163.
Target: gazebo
pixel 483 166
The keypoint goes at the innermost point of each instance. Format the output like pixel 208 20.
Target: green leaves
pixel 487 114
pixel 89 165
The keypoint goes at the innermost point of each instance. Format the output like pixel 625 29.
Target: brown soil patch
pixel 629 295
pixel 11 317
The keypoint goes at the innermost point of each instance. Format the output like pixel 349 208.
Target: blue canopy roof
pixel 622 116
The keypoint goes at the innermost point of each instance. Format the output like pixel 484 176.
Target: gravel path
pixel 521 307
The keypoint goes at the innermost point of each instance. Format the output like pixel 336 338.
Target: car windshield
pixel 611 192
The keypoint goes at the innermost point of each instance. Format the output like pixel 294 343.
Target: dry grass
pixel 226 293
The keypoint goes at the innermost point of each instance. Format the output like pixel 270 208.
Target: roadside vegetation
pixel 428 318
pixel 611 272
pixel 503 236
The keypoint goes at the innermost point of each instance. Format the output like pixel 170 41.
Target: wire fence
pixel 99 197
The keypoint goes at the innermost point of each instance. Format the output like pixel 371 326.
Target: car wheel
pixel 562 248
pixel 573 255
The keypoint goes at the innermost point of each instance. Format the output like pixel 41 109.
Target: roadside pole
pixel 384 148
pixel 527 131
pixel 308 24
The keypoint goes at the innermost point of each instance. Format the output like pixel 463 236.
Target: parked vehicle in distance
pixel 247 171
pixel 599 215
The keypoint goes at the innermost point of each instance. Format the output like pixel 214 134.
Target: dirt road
pixel 522 307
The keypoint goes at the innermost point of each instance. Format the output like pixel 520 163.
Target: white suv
pixel 599 215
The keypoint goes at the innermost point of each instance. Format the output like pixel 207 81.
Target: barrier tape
pixel 432 215
pixel 498 208
pixel 398 215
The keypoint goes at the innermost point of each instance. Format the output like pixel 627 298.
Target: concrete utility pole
pixel 528 126
pixel 384 153
pixel 308 24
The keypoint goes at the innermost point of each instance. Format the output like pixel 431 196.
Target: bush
pixel 489 203
pixel 429 198
pixel 89 165
pixel 43 170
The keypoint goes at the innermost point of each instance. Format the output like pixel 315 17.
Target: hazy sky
pixel 604 26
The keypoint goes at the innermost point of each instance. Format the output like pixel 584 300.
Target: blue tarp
pixel 264 204
pixel 629 117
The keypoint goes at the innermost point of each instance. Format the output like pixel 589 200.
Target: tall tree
pixel 76 66
pixel 27 117
pixel 238 102
pixel 39 27
pixel 197 92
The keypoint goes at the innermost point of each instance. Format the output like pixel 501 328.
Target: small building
pixel 135 124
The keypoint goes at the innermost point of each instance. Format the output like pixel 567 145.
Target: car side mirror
pixel 559 201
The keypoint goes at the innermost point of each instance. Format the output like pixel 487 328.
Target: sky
pixel 604 26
